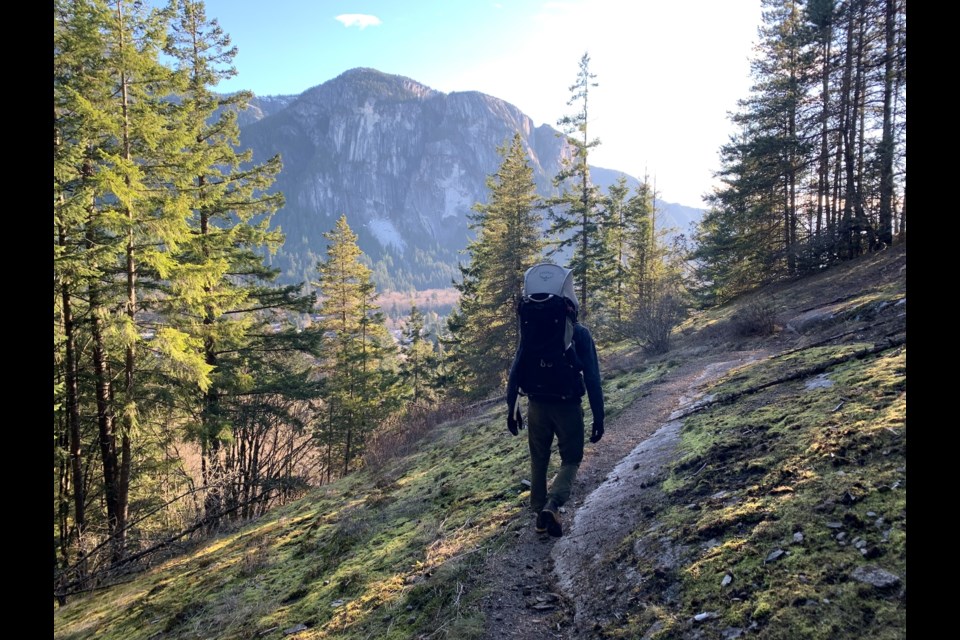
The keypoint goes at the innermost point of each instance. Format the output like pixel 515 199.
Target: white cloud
pixel 361 20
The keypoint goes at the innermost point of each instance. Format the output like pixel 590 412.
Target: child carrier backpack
pixel 548 366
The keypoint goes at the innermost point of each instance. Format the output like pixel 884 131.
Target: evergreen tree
pixel 114 219
pixel 615 215
pixel 359 366
pixel 575 214
pixel 644 243
pixel 221 292
pixel 452 344
pixel 733 238
pixel 815 172
pixel 160 287
pixel 647 296
pixel 507 243
pixel 77 44
pixel 886 151
pixel 636 251
pixel 420 359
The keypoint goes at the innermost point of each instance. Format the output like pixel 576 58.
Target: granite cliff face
pixel 403 162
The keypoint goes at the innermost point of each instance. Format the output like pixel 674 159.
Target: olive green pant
pixel 544 421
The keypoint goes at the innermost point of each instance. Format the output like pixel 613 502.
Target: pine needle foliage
pixel 508 242
pixel 359 362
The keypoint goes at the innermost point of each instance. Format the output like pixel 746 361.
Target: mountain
pixel 405 163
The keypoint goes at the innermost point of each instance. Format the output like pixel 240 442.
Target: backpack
pixel 547 362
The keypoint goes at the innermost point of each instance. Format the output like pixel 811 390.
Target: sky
pixel 668 72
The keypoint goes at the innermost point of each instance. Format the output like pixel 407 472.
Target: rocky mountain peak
pixel 405 163
pixel 362 85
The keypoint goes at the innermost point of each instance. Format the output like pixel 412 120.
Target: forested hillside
pixel 236 457
pixel 815 170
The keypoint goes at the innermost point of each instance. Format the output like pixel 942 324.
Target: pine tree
pixel 115 220
pixel 618 220
pixel 77 44
pixel 359 367
pixel 886 151
pixel 420 359
pixel 158 224
pixel 453 344
pixel 647 297
pixel 815 172
pixel 221 292
pixel 733 238
pixel 635 251
pixel 507 243
pixel 575 215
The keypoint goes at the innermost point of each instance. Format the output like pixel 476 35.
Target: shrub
pixel 756 318
pixel 655 321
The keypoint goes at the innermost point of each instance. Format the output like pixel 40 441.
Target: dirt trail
pixel 557 588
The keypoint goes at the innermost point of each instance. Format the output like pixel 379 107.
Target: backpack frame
pixel 548 366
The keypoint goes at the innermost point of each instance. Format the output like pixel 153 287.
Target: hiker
pixel 551 335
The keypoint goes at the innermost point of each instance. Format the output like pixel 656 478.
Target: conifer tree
pixel 647 294
pixel 77 45
pixel 453 345
pixel 147 262
pixel 647 252
pixel 576 215
pixel 632 243
pixel 507 243
pixel 420 359
pixel 615 215
pixel 115 219
pixel 814 173
pixel 886 151
pixel 359 365
pixel 221 291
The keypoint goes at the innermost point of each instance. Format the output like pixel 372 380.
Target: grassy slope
pixel 391 553
pixel 818 474
pixel 385 554
pixel 787 485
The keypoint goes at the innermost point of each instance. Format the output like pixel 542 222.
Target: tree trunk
pixel 210 412
pixel 106 423
pixel 73 409
pixel 848 128
pixel 584 240
pixel 862 224
pixel 346 452
pixel 123 480
pixel 791 190
pixel 824 219
pixel 885 225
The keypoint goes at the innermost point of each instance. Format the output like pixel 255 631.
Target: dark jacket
pixel 587 354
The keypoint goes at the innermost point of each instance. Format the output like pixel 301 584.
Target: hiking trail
pixel 558 588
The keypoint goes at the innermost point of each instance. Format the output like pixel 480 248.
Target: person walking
pixel 555 365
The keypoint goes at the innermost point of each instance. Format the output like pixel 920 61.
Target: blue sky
pixel 668 71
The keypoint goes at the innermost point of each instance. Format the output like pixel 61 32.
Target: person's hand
pixel 514 424
pixel 597 431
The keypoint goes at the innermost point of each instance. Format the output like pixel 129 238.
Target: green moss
pixel 796 461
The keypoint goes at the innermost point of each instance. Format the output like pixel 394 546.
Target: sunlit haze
pixel 668 73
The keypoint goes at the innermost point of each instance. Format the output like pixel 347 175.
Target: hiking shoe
pixel 541 524
pixel 550 518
